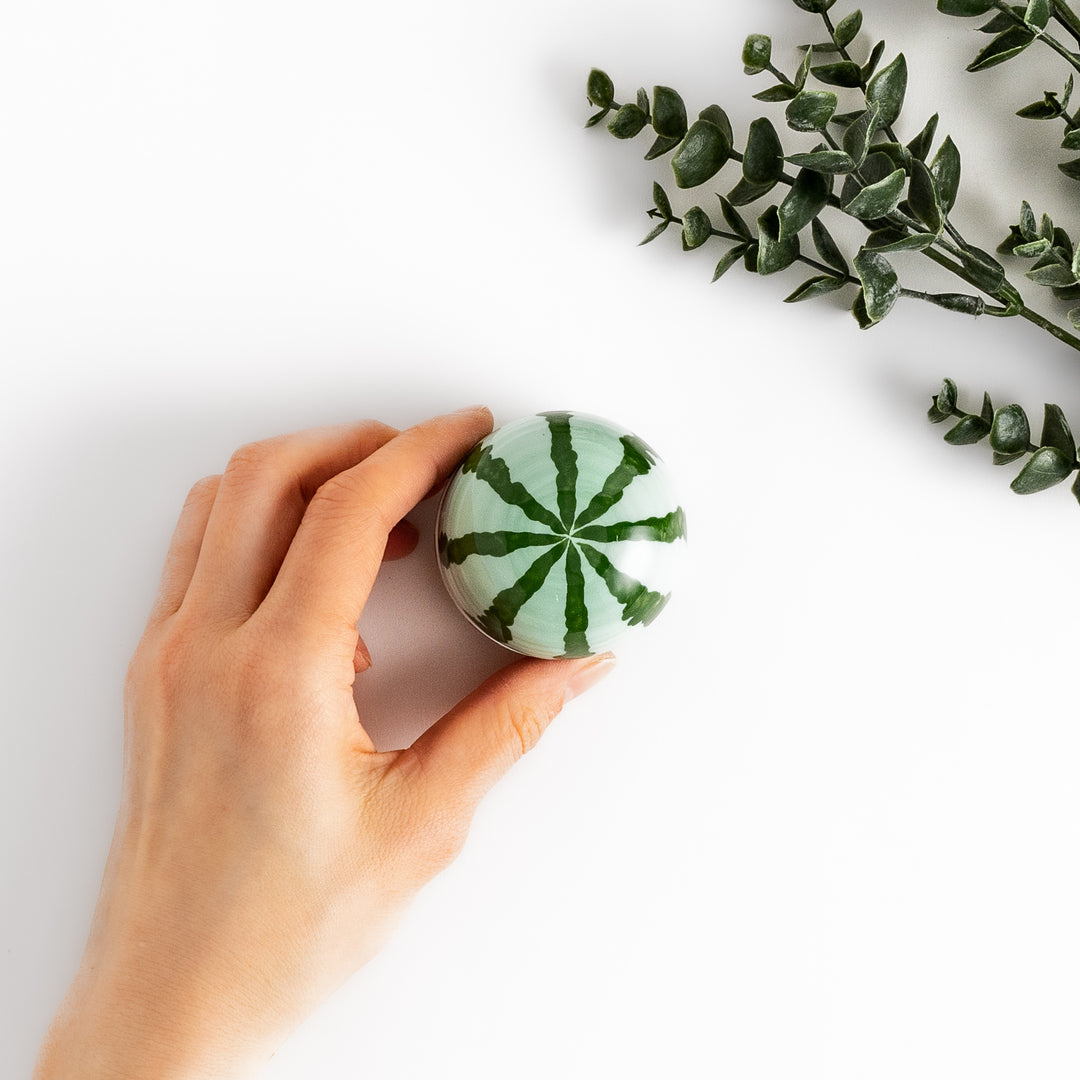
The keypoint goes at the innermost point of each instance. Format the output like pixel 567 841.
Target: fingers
pixel 259 504
pixel 468 750
pixel 331 564
pixel 184 548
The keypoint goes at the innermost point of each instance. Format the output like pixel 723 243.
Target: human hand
pixel 264 849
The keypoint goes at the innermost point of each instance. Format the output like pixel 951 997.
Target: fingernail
pixel 471 409
pixel 589 676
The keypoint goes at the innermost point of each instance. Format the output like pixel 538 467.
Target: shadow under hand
pixel 425 654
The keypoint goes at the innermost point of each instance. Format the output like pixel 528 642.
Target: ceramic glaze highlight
pixel 558 533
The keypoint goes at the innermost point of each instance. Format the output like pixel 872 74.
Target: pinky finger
pixel 184 548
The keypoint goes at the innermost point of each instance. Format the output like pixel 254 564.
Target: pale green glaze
pixel 558 533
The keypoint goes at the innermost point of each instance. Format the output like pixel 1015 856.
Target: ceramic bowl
pixel 559 533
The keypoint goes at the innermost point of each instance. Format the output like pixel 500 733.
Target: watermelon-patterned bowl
pixel 558 533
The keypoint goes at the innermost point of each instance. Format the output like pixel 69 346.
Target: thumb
pixel 472 746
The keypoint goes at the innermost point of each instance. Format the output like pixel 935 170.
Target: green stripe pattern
pixel 558 533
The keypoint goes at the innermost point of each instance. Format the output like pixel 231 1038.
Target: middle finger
pixel 259 505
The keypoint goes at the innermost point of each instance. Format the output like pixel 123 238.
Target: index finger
pixel 328 571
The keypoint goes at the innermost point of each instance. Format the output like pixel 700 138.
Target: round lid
pixel 558 533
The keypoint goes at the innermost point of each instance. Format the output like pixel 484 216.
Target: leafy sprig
pixel 1049 462
pixel 1014 28
pixel 857 166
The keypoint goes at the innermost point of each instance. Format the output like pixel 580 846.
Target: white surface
pixel 823 821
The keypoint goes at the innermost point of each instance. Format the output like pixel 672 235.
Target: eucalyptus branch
pixel 1049 462
pixel 1065 15
pixel 902 194
pixel 1014 29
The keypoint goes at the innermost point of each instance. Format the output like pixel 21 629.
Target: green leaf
pixel 984 270
pixel 815 6
pixel 887 89
pixel 1056 433
pixel 970 429
pixel 1004 47
pixel 847 29
pixel 1028 228
pixel 1046 228
pixel 965 8
pixel 815 286
pixel 804 68
pixel 779 92
pixel 841 73
pixel 878 200
pixel 744 192
pixel 643 101
pixel 763 159
pixel 661 201
pixel 1071 140
pixel 668 112
pixel 715 115
pixel 1074 317
pixel 1047 467
pixel 824 161
pixel 654 233
pixel 826 247
pixel 661 146
pixel 756 54
pixel 858 135
pixel 880 285
pixel 884 240
pixel 871 64
pixel 1054 275
pixel 1003 20
pixel 1071 168
pixel 943 403
pixel 922 197
pixel 628 121
pixel 806 199
pixel 728 260
pixel 899 156
pixel 920 145
pixel 774 253
pixel 1032 249
pixel 945 169
pixel 701 155
pixel 811 110
pixel 696 228
pixel 1047 109
pixel 1010 432
pixel 600 89
pixel 735 219
pixel 1038 14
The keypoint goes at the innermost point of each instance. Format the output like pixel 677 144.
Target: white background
pixel 823 821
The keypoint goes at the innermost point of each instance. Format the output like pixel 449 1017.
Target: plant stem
pixel 1042 35
pixel 1059 332
pixel 827 270
pixel 847 56
pixel 1065 15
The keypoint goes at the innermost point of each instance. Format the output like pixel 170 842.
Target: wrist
pixel 106 1034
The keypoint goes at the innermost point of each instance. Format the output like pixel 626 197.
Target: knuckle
pixel 437 843
pixel 525 724
pixel 203 490
pixel 349 496
pixel 254 461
